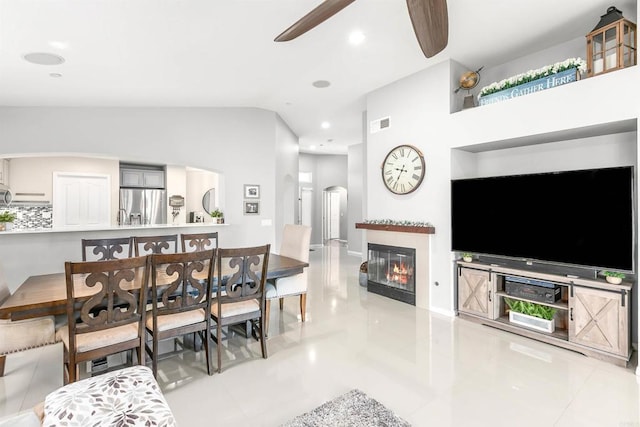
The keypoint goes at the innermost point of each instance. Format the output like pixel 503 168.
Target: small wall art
pixel 251 207
pixel 251 191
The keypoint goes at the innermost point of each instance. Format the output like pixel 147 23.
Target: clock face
pixel 403 169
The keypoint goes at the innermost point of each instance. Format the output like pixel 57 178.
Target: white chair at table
pixel 22 334
pixel 295 244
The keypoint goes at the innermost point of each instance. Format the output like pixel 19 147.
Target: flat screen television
pixel 578 218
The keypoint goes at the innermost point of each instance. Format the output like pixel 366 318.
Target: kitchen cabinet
pixel 141 178
pixel 4 171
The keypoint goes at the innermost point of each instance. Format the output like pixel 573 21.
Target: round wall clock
pixel 403 169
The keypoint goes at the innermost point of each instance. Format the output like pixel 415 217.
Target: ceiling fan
pixel 429 19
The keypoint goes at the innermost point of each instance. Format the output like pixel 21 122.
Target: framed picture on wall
pixel 251 207
pixel 251 191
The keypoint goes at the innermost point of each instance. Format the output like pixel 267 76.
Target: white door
pixel 81 199
pixel 334 215
pixel 306 201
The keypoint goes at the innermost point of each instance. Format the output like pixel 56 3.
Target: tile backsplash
pixel 32 216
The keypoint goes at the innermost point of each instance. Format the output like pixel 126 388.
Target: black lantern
pixel 612 44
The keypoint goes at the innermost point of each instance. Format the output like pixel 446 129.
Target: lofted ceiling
pixel 221 53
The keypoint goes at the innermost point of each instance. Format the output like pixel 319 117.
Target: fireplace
pixel 391 272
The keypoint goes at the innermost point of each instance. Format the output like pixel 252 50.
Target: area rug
pixel 353 409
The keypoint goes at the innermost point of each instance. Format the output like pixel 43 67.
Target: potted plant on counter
pixel 613 277
pixel 6 217
pixel 467 257
pixel 531 315
pixel 218 216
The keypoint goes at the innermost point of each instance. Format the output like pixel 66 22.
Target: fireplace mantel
pixel 396 228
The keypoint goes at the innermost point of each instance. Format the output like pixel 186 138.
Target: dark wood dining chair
pixel 181 300
pixel 106 306
pixel 147 245
pixel 106 249
pixel 243 272
pixel 199 241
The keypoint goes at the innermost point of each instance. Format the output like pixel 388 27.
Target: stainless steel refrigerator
pixel 139 206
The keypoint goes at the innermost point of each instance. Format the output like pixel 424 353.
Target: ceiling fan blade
pixel 324 11
pixel 430 23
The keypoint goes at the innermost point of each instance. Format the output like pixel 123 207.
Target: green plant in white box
pixel 531 315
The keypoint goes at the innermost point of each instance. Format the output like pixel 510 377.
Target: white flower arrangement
pixel 531 75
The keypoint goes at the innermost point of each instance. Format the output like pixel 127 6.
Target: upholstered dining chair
pixel 181 299
pixel 146 245
pixel 295 244
pixel 106 249
pixel 106 306
pixel 18 335
pixel 199 241
pixel 243 273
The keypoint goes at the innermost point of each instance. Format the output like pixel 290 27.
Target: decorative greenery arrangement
pixel 607 273
pixel 531 75
pixel 467 255
pixel 398 222
pixel 217 214
pixel 7 216
pixel 531 309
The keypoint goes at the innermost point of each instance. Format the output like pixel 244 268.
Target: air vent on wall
pixel 379 124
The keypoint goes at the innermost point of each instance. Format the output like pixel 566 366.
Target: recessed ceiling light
pixel 42 58
pixel 321 84
pixel 325 125
pixel 356 38
pixel 55 75
pixel 58 44
pixel 330 140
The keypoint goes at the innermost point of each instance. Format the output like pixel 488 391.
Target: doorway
pixel 306 206
pixel 334 205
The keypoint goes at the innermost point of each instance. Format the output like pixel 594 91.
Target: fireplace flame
pixel 399 273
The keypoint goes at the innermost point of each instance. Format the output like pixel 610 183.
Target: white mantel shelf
pixel 396 228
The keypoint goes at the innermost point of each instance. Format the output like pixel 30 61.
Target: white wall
pixel 598 118
pixel 286 180
pixel 355 161
pixel 237 142
pixel 176 185
pixel 419 110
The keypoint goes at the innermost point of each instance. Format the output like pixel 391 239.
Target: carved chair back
pixel 147 245
pixel 199 241
pixel 106 249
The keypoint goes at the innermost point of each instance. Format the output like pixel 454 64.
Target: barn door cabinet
pixel 474 292
pixel 592 316
pixel 599 319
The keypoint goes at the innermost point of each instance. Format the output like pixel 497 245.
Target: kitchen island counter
pixel 99 228
pixel 25 253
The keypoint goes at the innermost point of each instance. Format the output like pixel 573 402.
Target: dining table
pixel 46 294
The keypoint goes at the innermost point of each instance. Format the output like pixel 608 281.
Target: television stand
pixel 592 316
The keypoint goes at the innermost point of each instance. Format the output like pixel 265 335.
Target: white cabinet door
pixel 4 171
pixel 80 199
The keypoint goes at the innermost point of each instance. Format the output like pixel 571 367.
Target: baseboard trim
pixel 316 246
pixel 354 253
pixel 448 313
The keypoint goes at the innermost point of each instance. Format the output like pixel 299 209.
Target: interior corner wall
pixel 418 107
pixel 238 143
pixel 355 193
pixel 286 179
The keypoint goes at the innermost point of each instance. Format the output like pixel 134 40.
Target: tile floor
pixel 429 369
